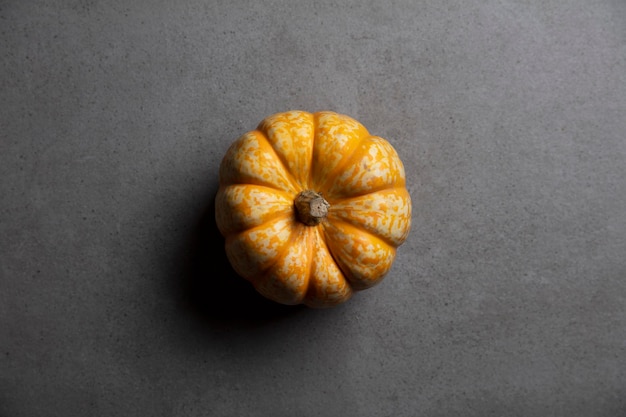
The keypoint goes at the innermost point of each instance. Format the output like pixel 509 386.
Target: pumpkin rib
pixel 314 300
pixel 324 240
pixel 284 193
pixel 357 216
pixel 310 269
pixel 263 284
pixel 363 282
pixel 311 232
pixel 248 153
pixel 251 181
pixel 273 218
pixel 339 200
pixel 279 253
pixel 310 249
pixel 292 135
pixel 310 180
pixel 226 218
pixel 335 218
pixel 271 189
pixel 324 186
pixel 332 177
pixel 345 187
pixel 295 184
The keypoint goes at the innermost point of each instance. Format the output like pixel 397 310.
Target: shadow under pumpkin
pixel 212 288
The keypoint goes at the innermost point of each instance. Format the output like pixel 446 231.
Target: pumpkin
pixel 312 207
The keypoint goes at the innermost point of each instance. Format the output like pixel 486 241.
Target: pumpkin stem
pixel 311 208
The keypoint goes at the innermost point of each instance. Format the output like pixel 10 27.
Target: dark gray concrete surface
pixel 508 299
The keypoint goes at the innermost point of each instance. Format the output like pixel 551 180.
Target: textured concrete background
pixel 508 299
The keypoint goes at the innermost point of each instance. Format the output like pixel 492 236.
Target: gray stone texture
pixel 508 298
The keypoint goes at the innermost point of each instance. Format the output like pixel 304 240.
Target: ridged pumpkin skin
pixel 361 178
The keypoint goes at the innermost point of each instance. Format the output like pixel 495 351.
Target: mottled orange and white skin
pixel 359 175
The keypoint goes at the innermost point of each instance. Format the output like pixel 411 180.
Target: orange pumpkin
pixel 312 207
